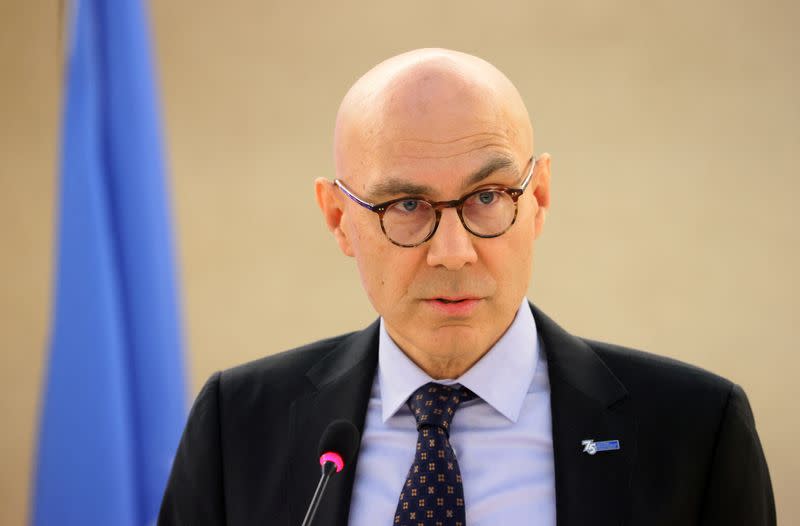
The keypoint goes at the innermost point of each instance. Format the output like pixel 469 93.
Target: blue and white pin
pixel 592 448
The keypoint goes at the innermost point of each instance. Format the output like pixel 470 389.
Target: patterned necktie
pixel 432 494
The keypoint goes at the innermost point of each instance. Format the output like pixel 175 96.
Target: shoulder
pixel 670 381
pixel 634 363
pixel 283 372
pixel 645 376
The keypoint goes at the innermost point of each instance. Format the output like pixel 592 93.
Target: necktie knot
pixel 435 404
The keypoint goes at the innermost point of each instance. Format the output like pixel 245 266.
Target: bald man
pixel 473 406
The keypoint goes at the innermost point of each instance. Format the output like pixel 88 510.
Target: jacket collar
pixel 341 380
pixel 574 363
pixel 588 402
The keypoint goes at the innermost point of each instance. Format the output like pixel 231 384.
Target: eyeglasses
pixel 410 221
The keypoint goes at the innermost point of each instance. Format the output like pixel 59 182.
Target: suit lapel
pixel 342 381
pixel 588 403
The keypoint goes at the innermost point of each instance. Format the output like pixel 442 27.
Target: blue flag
pixel 114 396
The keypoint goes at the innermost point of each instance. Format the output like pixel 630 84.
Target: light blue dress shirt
pixel 503 439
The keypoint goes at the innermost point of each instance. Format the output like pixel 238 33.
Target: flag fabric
pixel 114 396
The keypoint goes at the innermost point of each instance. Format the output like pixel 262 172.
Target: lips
pixel 453 300
pixel 450 306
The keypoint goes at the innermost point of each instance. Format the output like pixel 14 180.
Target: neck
pixel 447 358
pixel 442 368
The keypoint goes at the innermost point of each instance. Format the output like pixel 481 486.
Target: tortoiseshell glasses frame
pixel 437 206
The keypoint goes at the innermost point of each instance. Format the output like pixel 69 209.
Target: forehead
pixel 441 152
pixel 441 167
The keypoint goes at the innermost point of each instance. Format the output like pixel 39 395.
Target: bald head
pixel 427 103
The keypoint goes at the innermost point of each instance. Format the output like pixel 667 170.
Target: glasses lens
pixel 408 222
pixel 489 212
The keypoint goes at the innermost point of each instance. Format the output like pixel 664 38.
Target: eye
pixel 409 205
pixel 486 198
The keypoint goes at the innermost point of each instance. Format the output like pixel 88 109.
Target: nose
pixel 451 245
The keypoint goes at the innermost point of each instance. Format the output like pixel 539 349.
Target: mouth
pixel 454 306
pixel 453 300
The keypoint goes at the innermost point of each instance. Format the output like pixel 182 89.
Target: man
pixel 474 407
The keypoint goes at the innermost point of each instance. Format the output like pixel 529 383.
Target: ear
pixel 329 202
pixel 541 192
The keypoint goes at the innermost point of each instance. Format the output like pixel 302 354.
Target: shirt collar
pixel 501 377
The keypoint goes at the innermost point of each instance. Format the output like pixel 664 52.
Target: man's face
pixel 455 289
pixel 454 295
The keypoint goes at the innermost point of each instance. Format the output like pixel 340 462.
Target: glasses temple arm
pixel 528 178
pixel 349 194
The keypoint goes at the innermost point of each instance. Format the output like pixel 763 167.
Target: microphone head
pixel 340 439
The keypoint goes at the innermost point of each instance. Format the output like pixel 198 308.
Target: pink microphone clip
pixel 331 456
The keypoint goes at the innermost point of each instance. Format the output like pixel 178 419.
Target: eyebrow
pixel 395 186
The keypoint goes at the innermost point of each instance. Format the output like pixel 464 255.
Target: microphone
pixel 337 446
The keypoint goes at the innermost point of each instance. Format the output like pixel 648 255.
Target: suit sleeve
pixel 194 494
pixel 739 490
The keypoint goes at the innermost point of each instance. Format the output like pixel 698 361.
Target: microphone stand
pixel 328 469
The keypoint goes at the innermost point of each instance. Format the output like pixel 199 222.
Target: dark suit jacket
pixel 689 452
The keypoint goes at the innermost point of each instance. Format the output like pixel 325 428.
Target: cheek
pixel 386 271
pixel 510 260
pixel 525 236
pixel 523 261
pixel 525 226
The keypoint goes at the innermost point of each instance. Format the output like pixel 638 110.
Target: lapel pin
pixel 591 447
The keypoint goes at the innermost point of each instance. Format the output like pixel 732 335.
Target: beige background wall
pixel 674 129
